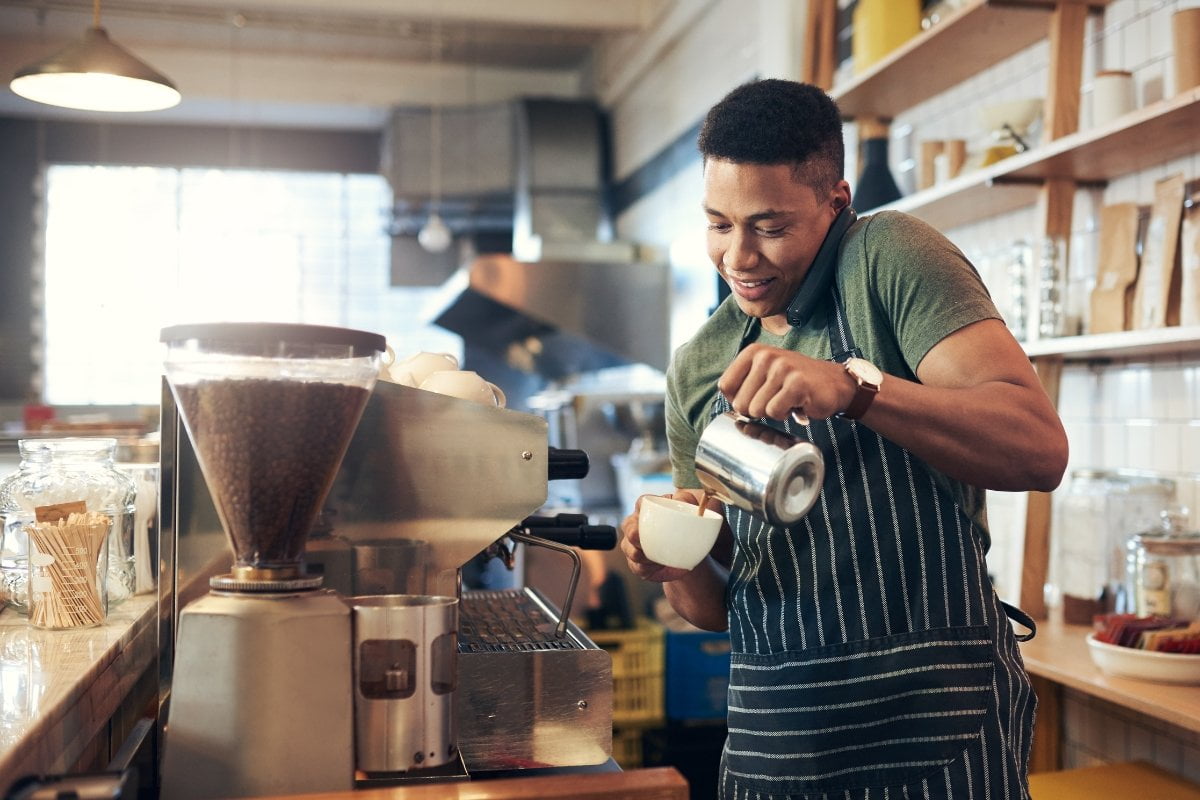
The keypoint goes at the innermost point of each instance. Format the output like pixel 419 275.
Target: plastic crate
pixel 637 670
pixel 697 675
pixel 627 747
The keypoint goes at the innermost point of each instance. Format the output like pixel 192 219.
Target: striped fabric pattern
pixel 871 658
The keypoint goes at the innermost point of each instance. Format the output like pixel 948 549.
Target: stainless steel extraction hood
pixel 559 318
pixel 568 298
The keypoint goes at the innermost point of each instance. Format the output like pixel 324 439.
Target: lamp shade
pixel 96 74
pixel 436 235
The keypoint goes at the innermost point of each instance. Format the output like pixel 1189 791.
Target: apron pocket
pixel 876 713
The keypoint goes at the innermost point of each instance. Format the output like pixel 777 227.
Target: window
pixel 130 250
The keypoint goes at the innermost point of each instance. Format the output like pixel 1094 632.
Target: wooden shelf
pixel 1120 344
pixel 1060 653
pixel 1146 137
pixel 977 36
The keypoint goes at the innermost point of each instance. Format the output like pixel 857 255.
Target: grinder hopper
pixel 270 410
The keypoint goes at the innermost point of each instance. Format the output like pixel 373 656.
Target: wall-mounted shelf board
pixel 1119 344
pixel 977 36
pixel 1143 138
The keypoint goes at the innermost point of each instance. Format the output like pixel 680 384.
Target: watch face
pixel 865 371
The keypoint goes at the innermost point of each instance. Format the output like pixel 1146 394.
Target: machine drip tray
pixel 455 770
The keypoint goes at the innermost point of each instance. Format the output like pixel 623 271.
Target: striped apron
pixel 871 657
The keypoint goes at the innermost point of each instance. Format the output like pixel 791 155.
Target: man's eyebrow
pixel 770 213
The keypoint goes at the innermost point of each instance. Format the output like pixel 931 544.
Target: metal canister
pixel 405 650
pixel 759 469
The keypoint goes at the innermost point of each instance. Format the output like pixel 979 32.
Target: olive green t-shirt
pixel 904 287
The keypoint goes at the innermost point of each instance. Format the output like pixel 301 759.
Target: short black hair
pixel 773 121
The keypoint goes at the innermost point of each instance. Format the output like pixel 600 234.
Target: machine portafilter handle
pixel 567 464
pixel 572 530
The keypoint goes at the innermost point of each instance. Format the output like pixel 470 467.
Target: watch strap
pixel 864 395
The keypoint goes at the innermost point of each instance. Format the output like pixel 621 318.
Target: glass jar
pixel 1163 569
pixel 1093 517
pixel 138 458
pixel 65 493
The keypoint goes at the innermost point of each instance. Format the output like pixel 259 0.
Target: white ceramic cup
pixel 1112 96
pixel 465 384
pixel 674 534
pixel 414 370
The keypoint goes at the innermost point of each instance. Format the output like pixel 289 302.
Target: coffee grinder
pixel 261 703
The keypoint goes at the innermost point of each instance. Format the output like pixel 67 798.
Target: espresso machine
pixel 399 488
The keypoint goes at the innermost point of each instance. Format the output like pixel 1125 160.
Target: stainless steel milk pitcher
pixel 759 469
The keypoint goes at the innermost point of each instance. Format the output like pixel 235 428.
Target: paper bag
pixel 1189 262
pixel 1117 271
pixel 1157 301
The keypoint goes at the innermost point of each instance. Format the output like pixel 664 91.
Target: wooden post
pixel 1036 559
pixel 1056 204
pixel 1067 28
pixel 821 43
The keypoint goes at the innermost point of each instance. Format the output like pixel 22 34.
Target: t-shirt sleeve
pixel 682 434
pixel 924 284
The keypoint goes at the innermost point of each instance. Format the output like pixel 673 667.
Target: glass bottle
pixel 1052 289
pixel 1019 268
pixel 876 186
pixel 65 494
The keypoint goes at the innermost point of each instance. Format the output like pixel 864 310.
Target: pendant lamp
pixel 96 74
pixel 435 236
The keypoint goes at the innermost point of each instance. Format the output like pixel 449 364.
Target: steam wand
pixel 516 534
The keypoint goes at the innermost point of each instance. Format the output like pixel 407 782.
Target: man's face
pixel 764 230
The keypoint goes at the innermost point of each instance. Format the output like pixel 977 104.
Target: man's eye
pixel 771 231
pixel 718 226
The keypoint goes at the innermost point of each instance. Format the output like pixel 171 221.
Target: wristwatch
pixel 868 377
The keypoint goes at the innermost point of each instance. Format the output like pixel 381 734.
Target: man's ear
pixel 840 196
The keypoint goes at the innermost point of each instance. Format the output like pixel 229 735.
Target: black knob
pixel 567 464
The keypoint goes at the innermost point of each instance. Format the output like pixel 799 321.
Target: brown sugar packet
pixel 1157 640
pixel 59 511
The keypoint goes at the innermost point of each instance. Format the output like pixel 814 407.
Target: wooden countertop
pixel 1060 653
pixel 58 689
pixel 660 783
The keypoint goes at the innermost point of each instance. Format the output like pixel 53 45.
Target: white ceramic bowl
pixel 1019 114
pixel 673 534
pixel 1148 665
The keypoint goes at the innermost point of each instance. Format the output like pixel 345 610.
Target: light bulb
pixel 435 236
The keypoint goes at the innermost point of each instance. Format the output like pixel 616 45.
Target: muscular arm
pixel 978 414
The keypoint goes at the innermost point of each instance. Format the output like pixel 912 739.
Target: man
pixel 871 657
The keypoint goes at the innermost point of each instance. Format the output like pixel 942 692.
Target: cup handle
pixel 389 357
pixel 501 400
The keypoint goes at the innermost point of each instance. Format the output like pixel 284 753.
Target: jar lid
pixel 269 334
pixel 1188 545
pixel 137 451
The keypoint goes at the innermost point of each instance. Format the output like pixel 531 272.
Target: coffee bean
pixel 269 450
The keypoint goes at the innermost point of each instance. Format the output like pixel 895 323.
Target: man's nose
pixel 742 252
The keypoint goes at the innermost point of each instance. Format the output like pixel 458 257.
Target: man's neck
pixel 776 324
